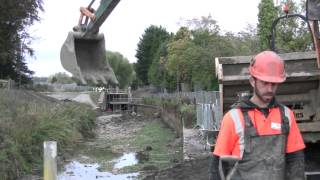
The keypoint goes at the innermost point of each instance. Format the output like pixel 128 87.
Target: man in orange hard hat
pixel 259 132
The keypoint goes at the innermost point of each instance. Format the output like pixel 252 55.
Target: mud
pixel 188 170
pixel 120 134
pixel 120 149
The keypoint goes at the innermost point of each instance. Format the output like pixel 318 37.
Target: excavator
pixel 83 53
pixel 300 92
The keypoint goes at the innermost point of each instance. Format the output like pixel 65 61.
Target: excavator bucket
pixel 85 59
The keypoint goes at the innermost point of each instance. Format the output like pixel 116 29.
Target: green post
pixel 50 164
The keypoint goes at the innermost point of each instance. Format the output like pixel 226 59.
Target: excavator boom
pixel 102 13
pixel 83 53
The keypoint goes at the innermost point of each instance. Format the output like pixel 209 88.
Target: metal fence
pixel 208 107
pixel 209 113
pixel 178 95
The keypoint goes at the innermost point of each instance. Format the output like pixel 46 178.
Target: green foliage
pixel 188 56
pixel 191 54
pixel 180 56
pixel 292 34
pixel 60 78
pixel 147 48
pixel 156 74
pixel 163 102
pixel 15 17
pixel 27 119
pixel 122 68
pixel 183 107
pixel 136 82
pixel 248 41
pixel 267 13
pixel 188 114
pixel 186 108
pixel 156 135
pixel 151 100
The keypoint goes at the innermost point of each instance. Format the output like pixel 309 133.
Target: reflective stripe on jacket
pixel 276 123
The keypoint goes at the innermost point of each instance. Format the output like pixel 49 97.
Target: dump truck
pixel 301 90
pixel 83 53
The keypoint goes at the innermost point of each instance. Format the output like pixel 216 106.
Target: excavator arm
pixel 312 19
pixel 313 16
pixel 301 90
pixel 83 53
pixel 101 14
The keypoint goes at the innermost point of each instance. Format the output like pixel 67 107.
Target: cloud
pixel 126 24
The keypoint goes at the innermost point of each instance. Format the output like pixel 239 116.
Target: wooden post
pixel 50 164
pixel 10 84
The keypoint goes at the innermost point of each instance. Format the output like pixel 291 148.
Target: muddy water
pixel 76 170
pixel 95 160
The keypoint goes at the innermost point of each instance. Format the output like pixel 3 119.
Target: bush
pixel 27 120
pixel 151 101
pixel 185 108
pixel 188 115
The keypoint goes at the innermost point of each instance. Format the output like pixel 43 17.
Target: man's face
pixel 264 91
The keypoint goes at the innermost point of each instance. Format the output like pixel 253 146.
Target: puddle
pixel 128 159
pixel 76 170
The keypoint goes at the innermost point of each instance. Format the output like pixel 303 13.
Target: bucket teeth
pixel 85 59
pixel 103 79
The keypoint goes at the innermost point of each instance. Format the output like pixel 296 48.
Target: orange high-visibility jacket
pixel 230 138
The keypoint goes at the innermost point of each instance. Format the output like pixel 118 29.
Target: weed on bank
pixel 27 119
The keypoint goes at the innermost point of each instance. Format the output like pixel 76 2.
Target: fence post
pixel 9 84
pixel 50 164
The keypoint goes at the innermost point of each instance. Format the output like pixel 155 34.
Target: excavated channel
pixel 94 159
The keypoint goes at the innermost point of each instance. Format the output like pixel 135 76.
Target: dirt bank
pixel 153 144
pixel 160 152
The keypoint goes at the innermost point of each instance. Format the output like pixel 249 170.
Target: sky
pixel 126 24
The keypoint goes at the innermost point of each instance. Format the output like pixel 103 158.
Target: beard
pixel 264 97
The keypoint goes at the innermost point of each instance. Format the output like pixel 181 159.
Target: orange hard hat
pixel 268 66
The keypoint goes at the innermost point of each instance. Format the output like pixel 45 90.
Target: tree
pixel 156 74
pixel 180 56
pixel 61 78
pixel 122 68
pixel 147 48
pixel 292 34
pixel 267 13
pixel 15 17
pixel 249 40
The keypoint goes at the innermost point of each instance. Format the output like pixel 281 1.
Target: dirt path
pixel 82 97
pixel 85 98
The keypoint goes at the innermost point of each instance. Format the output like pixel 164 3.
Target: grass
pixel 156 136
pixel 27 120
